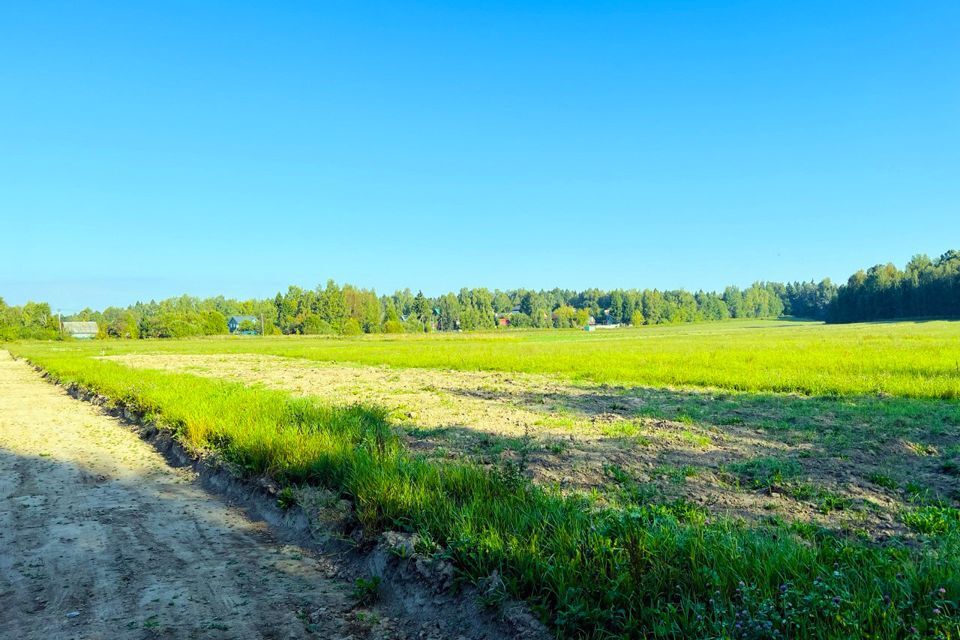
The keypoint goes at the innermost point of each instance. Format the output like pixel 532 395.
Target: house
pixel 233 324
pixel 81 330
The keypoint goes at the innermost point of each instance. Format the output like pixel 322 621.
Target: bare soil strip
pixel 101 538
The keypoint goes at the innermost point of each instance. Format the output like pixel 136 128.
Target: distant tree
pixel 925 288
pixel 422 310
pixel 534 307
pixel 564 317
pixel 449 306
pixel 332 305
pixel 404 301
pixel 581 318
pixel 502 302
pixel 390 313
pixel 733 298
pixel 615 309
pixel 654 307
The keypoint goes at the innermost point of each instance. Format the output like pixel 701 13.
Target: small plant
pixel 882 480
pixel 825 499
pixel 932 520
pixel 366 590
pixel 558 447
pixel 286 499
pixel 677 475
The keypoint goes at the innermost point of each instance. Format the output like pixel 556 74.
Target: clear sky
pixel 154 148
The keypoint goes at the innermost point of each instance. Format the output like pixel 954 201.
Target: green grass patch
pixel 932 520
pixel 902 359
pixel 767 472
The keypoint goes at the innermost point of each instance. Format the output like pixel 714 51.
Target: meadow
pixel 903 359
pixel 856 420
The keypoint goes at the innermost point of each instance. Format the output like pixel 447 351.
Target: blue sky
pixel 151 149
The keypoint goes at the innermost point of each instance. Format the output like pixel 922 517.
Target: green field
pixel 904 359
pixel 623 561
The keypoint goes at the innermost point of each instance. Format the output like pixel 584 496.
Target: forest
pixel 924 288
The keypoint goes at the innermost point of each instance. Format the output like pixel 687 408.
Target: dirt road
pixel 100 538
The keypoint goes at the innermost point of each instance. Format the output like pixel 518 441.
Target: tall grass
pixel 590 569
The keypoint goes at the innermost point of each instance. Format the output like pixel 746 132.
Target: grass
pixel 638 566
pixel 366 590
pixel 901 359
pixel 766 473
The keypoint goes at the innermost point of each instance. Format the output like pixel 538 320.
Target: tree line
pixel 924 288
pixel 349 310
pixel 34 320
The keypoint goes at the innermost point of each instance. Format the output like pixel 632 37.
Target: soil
pixel 570 434
pixel 100 537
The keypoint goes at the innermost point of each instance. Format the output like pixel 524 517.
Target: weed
pixel 932 520
pixel 286 498
pixel 558 447
pixel 366 590
pixel 882 480
pixel 677 475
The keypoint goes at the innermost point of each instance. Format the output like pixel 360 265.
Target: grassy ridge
pixel 631 568
pixel 906 359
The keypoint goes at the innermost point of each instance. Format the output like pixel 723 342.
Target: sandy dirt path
pixel 100 538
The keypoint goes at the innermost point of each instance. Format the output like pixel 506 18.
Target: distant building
pixel 233 324
pixel 81 330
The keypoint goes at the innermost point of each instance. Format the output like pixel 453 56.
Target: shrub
pixel 393 326
pixel 351 327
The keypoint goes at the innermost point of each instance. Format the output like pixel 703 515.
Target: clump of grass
pixel 883 480
pixel 677 475
pixel 366 591
pixel 286 499
pixel 766 472
pixel 825 499
pixel 934 520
